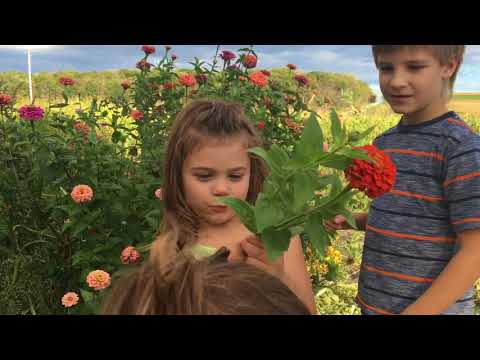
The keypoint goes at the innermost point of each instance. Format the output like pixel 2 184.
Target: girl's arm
pixel 298 278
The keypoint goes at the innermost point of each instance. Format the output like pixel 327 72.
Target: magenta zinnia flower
pixel 302 80
pixel 31 113
pixel 227 55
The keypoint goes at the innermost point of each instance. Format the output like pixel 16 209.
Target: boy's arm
pixel 452 283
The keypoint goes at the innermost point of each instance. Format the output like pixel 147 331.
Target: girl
pixel 178 285
pixel 207 158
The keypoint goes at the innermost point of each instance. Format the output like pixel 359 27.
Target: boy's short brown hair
pixel 443 53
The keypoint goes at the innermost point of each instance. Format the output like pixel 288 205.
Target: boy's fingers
pixel 252 239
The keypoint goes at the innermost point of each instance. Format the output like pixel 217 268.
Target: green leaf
pixel 278 155
pixel 334 161
pixel 355 139
pixel 317 234
pixel 303 187
pixel 272 164
pixel 275 242
pixel 356 154
pixel 243 209
pixel 267 213
pixel 311 142
pixel 86 295
pixel 336 128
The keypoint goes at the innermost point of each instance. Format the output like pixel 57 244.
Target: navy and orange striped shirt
pixel 411 231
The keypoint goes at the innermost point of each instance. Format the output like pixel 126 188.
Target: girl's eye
pixel 386 68
pixel 202 177
pixel 235 177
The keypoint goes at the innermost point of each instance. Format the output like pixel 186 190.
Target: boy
pixel 422 243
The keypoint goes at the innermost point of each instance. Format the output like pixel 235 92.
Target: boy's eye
pixel 416 67
pixel 386 68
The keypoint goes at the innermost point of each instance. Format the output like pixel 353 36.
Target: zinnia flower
pixel 187 80
pixel 82 193
pixel 266 73
pixel 227 55
pixel 169 85
pixel 159 193
pixel 148 49
pixel 70 299
pixel 375 179
pixel 291 66
pixel 174 57
pixel 66 81
pixel 143 65
pixel 261 125
pixel 98 280
pixel 259 79
pixel 250 61
pixel 82 128
pixel 301 79
pixel 136 115
pixel 126 85
pixel 5 99
pixel 31 113
pixel 129 255
pixel 201 78
pixel 242 78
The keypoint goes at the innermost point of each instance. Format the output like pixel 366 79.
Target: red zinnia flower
pixel 291 66
pixel 259 79
pixel 5 99
pixel 136 115
pixel 301 79
pixel 66 81
pixel 169 85
pixel 250 61
pixel 148 49
pixel 143 65
pixel 187 80
pixel 261 125
pixel 375 179
pixel 201 78
pixel 125 85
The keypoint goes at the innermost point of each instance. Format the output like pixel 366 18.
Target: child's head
pixel 214 286
pixel 207 158
pixel 417 77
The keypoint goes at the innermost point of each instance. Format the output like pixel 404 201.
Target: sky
pixel 353 59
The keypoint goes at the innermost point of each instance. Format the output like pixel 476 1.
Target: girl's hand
pixel 256 255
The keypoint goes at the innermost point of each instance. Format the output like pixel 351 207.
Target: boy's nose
pixel 398 80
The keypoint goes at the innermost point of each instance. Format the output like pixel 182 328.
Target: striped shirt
pixel 412 230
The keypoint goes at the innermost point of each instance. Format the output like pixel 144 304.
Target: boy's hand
pixel 256 255
pixel 339 222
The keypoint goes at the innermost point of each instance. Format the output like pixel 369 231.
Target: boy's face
pixel 412 82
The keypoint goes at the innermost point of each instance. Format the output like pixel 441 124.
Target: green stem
pixel 214 62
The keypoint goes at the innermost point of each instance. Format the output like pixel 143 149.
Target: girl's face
pixel 216 168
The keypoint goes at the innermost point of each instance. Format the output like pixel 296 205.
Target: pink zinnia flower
pixel 250 61
pixel 82 193
pixel 301 79
pixel 143 65
pixel 70 299
pixel 174 57
pixel 227 55
pixel 187 80
pixel 125 85
pixel 292 66
pixel 5 99
pixel 159 193
pixel 259 79
pixel 136 115
pixel 31 113
pixel 129 255
pixel 148 49
pixel 98 280
pixel 65 81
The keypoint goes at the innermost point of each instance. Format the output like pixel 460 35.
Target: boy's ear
pixel 450 67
